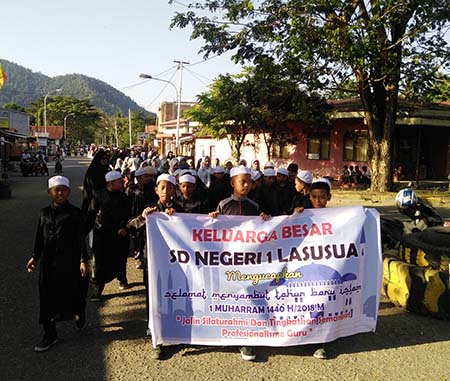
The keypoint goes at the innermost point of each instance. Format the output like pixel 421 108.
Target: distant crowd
pixel 354 177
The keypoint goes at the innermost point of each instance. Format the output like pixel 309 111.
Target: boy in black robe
pixel 108 215
pixel 301 199
pixel 256 186
pixel 292 171
pixel 219 188
pixel 141 194
pixel 284 191
pixel 186 201
pixel 267 197
pixel 61 250
pixel 320 194
pixel 165 189
pixel 240 205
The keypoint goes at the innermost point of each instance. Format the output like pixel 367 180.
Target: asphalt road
pixel 113 345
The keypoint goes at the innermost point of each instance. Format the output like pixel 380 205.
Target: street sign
pixel 142 135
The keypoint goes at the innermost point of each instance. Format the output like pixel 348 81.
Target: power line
pixel 204 60
pixel 200 75
pixel 131 86
pixel 165 71
pixel 180 3
pixel 162 90
pixel 142 82
pixel 197 76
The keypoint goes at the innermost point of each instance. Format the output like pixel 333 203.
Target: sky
pixel 111 40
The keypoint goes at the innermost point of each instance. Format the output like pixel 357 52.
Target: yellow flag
pixel 2 76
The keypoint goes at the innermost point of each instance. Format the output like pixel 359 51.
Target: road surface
pixel 113 345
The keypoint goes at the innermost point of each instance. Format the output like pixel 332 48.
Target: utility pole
pixel 45 106
pixel 116 134
pixel 177 141
pixel 129 125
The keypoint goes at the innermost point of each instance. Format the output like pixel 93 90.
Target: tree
pixel 223 112
pixel 81 127
pixel 138 121
pixel 324 43
pixel 15 107
pixel 261 101
pixel 440 90
pixel 275 101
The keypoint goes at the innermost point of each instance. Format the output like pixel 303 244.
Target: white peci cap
pixel 187 179
pixel 241 170
pixel 183 172
pixel 139 172
pixel 269 164
pixel 177 172
pixel 305 176
pixel 218 169
pixel 145 171
pixel 58 180
pixel 282 171
pixel 256 175
pixel 166 177
pixel 322 180
pixel 112 176
pixel 269 172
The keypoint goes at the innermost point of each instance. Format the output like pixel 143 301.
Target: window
pixel 355 145
pixel 318 145
pixel 280 152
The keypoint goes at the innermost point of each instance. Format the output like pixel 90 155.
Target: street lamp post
pixel 178 93
pixel 65 127
pixel 180 66
pixel 45 107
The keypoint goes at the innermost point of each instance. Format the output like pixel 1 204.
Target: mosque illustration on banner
pixel 320 285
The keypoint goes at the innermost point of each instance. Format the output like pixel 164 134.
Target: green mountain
pixel 24 86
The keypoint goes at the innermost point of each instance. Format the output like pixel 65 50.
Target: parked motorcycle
pixel 416 258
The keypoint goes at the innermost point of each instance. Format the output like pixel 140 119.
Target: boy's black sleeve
pixel 125 212
pixel 39 238
pixel 87 194
pixel 81 237
pixel 203 207
pixel 90 215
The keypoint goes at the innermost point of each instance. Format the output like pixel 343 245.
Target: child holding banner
pixel 165 189
pixel 60 248
pixel 320 194
pixel 141 194
pixel 240 205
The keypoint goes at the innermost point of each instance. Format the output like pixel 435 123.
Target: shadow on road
pixel 396 329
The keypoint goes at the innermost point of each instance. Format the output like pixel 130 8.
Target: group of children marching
pixel 115 216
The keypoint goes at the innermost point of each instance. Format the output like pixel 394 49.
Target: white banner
pixel 237 280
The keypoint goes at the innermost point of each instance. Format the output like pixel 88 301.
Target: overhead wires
pixel 199 77
pixel 162 90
